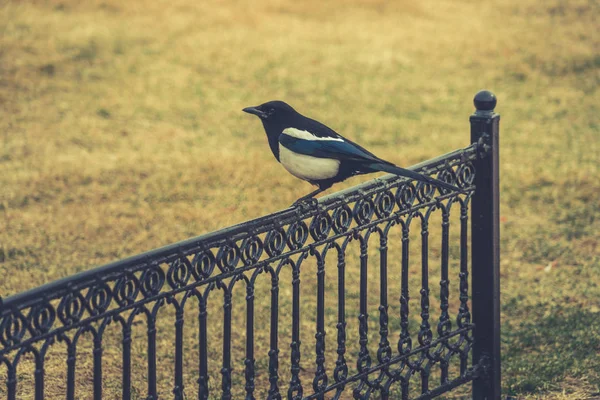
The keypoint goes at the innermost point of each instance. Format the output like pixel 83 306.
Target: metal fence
pixel 339 277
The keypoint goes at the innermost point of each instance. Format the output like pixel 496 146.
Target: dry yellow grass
pixel 121 131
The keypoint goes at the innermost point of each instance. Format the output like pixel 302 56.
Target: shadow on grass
pixel 543 351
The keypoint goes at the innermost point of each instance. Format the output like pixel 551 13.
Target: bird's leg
pixel 311 195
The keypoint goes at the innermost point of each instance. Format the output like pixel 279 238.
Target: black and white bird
pixel 315 153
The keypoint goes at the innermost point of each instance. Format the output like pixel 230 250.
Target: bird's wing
pixel 335 148
pixel 343 150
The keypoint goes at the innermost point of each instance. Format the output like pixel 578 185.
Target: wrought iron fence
pixel 308 251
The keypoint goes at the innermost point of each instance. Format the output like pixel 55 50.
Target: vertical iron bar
pixel 152 391
pixel 274 350
pixel 249 362
pixel 320 380
pixel 444 325
pixel 203 362
pixel 363 355
pixel 39 376
pixel 405 342
pixel 98 366
pixel 295 390
pixel 364 316
pixel 425 335
pixel 126 361
pixel 464 315
pixel 405 392
pixel 341 369
pixel 364 359
pixel 71 371
pixel 179 318
pixel 384 352
pixel 226 370
pixel 11 382
pixel 485 237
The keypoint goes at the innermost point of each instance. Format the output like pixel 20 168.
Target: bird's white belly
pixel 307 167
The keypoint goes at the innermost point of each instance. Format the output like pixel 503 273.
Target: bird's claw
pixel 306 203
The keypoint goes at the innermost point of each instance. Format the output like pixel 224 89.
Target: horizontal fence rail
pixel 296 276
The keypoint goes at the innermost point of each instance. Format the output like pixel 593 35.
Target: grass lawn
pixel 121 130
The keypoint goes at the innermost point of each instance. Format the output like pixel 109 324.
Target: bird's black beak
pixel 253 110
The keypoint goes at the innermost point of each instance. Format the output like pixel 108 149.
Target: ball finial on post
pixel 485 101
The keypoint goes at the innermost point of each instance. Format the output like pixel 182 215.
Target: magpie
pixel 311 151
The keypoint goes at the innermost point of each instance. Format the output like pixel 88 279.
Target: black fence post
pixel 485 241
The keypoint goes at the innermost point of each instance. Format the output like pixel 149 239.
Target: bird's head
pixel 272 111
pixel 275 117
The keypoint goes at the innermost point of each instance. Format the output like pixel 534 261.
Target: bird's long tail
pixel 392 169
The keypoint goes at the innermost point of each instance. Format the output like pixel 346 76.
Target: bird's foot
pixel 309 202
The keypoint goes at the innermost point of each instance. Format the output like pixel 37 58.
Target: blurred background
pixel 121 130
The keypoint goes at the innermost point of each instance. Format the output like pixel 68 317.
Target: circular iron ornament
pixel 384 354
pixel 363 211
pixel 126 289
pixel 448 176
pixel 342 219
pixel 12 329
pixel 71 307
pixel 228 257
pixel 463 320
pixel 275 242
pixel 295 392
pixel 405 196
pixel 252 249
pixel 44 316
pixel 297 235
pixel 320 226
pixel 179 273
pixel 425 192
pixel 363 363
pixel 425 337
pixel 152 280
pixel 203 264
pixel 99 298
pixel 466 174
pixel 320 383
pixel 444 327
pixel 384 204
pixel 405 345
pixel 340 373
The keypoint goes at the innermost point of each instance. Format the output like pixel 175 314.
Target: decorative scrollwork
pixel 252 249
pixel 203 264
pixel 275 242
pixel 448 176
pixel 99 298
pixel 364 210
pixel 71 307
pixel 297 235
pixel 320 226
pixel 425 192
pixel 13 328
pixel 179 272
pixel 228 257
pixel 384 204
pixel 405 196
pixel 43 317
pixel 342 219
pixel 466 174
pixel 152 280
pixel 126 289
